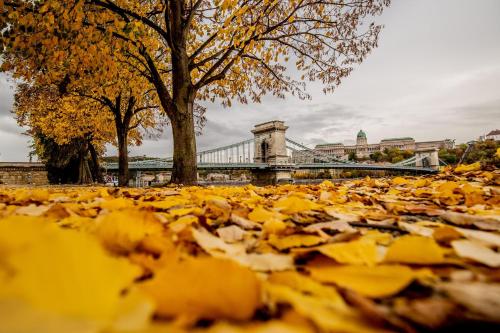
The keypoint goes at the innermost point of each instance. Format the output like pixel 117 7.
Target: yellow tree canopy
pixel 61 118
pixel 245 46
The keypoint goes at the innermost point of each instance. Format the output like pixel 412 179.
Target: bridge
pixel 271 157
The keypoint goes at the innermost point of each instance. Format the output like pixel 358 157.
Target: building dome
pixel 361 134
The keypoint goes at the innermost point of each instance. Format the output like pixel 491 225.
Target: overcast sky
pixel 435 75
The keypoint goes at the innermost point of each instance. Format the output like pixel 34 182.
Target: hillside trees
pixel 218 50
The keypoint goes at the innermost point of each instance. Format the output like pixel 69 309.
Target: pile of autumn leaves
pixel 400 254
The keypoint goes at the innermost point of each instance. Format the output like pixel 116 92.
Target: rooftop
pixel 494 132
pixel 329 144
pixel 397 139
pixel 361 134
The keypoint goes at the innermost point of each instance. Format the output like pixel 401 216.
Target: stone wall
pixel 23 174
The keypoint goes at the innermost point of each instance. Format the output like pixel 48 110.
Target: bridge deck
pixel 167 166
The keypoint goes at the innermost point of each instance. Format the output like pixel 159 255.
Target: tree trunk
pixel 84 175
pixel 123 174
pixel 184 168
pixel 96 169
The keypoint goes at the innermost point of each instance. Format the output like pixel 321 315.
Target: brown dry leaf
pixel 207 288
pixel 244 223
pixel 32 210
pixel 431 312
pixel 446 234
pixel 236 252
pixel 482 299
pixel 484 237
pixel 412 249
pixel 482 222
pixel 476 251
pixel 231 234
pixel 333 211
pixel 340 226
pixel 416 229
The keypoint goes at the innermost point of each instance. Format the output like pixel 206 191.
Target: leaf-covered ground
pixel 397 254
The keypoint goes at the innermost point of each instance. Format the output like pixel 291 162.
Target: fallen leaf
pixel 292 205
pixel 231 234
pixel 358 252
pixel 121 231
pixel 462 168
pixel 327 317
pixel 484 223
pixel 412 249
pixel 287 242
pixel 340 226
pixel 260 214
pixel 79 280
pixel 482 299
pixel 476 251
pixel 384 280
pixel 196 287
pixel 244 223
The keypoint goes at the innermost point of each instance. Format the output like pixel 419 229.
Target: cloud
pixel 432 77
pixel 9 125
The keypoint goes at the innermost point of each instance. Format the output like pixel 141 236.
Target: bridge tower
pixel 427 158
pixel 270 148
pixel 270 144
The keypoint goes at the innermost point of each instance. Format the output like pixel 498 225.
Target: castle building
pixel 363 149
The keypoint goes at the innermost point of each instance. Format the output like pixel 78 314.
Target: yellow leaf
pixel 63 271
pixel 468 167
pixel 181 211
pixel 292 205
pixel 307 285
pixel 399 181
pixel 414 250
pixel 274 227
pixel 116 204
pixel 182 222
pixel 358 252
pixel 121 231
pixel 381 238
pixel 283 243
pixel 376 281
pixel 166 203
pixel 260 214
pixel 204 288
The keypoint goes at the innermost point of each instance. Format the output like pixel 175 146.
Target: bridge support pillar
pixel 263 177
pixel 427 158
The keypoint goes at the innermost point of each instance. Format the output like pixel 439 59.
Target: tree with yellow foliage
pixel 93 77
pixel 66 124
pixel 208 49
pixel 93 120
